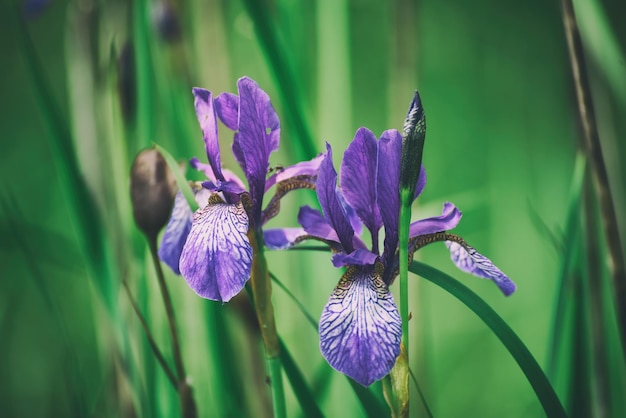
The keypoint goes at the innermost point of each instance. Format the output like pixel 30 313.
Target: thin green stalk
pixel 593 149
pixel 403 238
pixel 527 363
pixel 188 404
pixel 262 295
pixel 153 345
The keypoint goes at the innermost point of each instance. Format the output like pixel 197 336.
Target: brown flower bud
pixel 152 191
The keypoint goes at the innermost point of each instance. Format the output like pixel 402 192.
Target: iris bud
pixel 152 191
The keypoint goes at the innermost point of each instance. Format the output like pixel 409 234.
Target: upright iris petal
pixel 360 328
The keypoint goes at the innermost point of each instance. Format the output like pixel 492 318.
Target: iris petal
pixel 327 195
pixel 471 261
pixel 208 123
pixel 283 238
pixel 227 109
pixel 389 151
pixel 258 136
pixel 176 232
pixel 358 178
pixel 360 328
pixel 315 225
pixel 217 256
pixel 449 219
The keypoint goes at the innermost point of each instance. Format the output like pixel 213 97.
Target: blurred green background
pixel 503 135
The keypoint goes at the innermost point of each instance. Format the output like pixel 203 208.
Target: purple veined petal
pixel 327 195
pixel 389 153
pixel 231 177
pixel 358 178
pixel 360 328
pixel 258 136
pixel 449 219
pixel 358 257
pixel 176 232
pixel 217 256
pixel 208 123
pixel 283 238
pixel 315 225
pixel 227 109
pixel 471 261
pixel 421 182
pixel 303 168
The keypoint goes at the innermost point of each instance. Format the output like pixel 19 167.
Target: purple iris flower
pixel 360 327
pixel 211 248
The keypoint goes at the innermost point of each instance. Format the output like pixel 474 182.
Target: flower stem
pixel 187 402
pixel 262 295
pixel 153 345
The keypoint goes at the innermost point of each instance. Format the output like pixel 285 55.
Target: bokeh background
pixel 86 84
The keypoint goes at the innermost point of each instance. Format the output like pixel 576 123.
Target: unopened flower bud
pixel 152 191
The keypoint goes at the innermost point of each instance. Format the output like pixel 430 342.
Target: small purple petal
pixel 176 232
pixel 208 123
pixel 360 328
pixel 449 219
pixel 224 186
pixel 471 261
pixel 304 168
pixel 217 256
pixel 359 257
pixel 389 152
pixel 258 136
pixel 227 109
pixel 331 207
pixel 351 214
pixel 358 178
pixel 282 238
pixel 315 225
pixel 205 168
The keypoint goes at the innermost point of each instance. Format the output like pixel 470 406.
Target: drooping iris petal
pixel 358 178
pixel 208 123
pixel 176 232
pixel 358 257
pixel 360 328
pixel 258 135
pixel 471 261
pixel 217 256
pixel 315 225
pixel 449 219
pixel 283 238
pixel 304 168
pixel 227 109
pixel 327 196
pixel 389 151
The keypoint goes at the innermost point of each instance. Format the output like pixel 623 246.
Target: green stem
pixel 153 345
pixel 403 238
pixel 187 402
pixel 527 363
pixel 262 296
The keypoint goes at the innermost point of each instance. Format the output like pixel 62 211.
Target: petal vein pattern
pixel 360 328
pixel 217 256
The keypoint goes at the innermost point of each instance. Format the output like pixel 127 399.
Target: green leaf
pixel 535 375
pixel 182 182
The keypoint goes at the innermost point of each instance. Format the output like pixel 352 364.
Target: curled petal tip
pixel 473 262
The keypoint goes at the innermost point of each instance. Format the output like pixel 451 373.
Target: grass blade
pixel 535 375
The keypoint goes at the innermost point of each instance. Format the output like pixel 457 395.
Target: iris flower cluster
pixel 360 328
